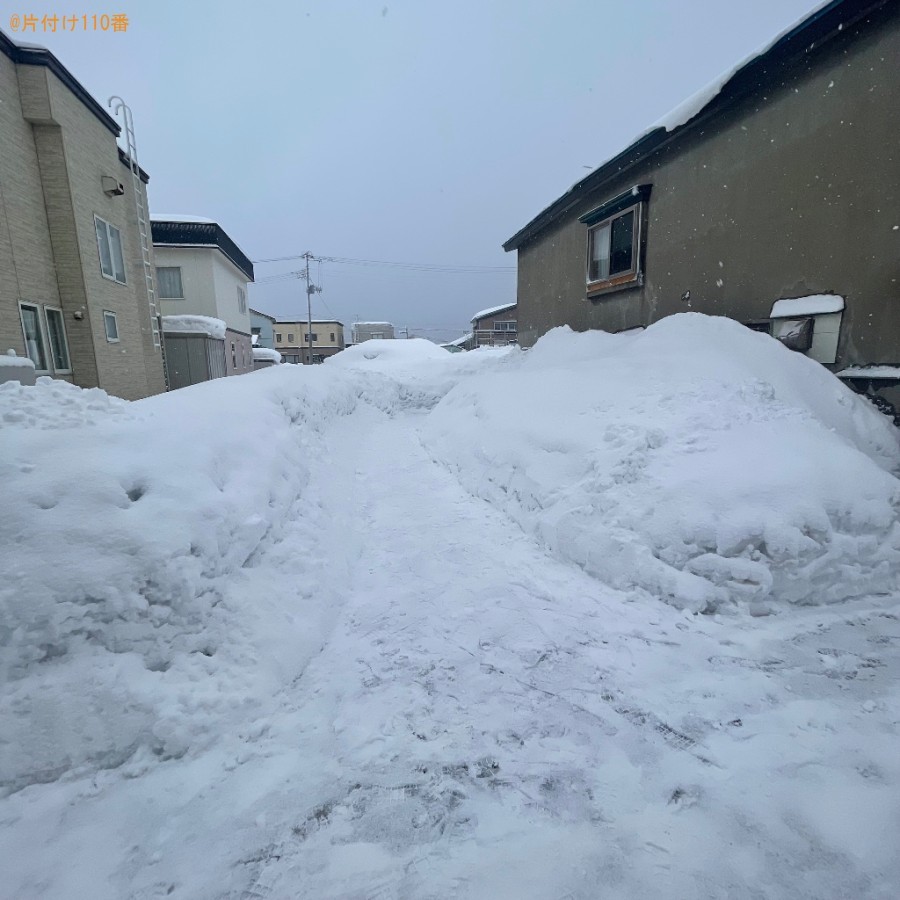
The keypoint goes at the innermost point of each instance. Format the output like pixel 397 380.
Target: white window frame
pixel 242 300
pixel 107 315
pixel 65 340
pixel 101 226
pixel 278 337
pixel 180 282
pixel 42 334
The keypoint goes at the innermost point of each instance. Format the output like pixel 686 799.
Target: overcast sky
pixel 406 131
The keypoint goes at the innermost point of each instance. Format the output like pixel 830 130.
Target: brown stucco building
pixel 785 184
pixel 73 293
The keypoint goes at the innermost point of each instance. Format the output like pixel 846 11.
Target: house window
pixel 168 281
pixel 612 247
pixel 332 337
pixel 233 357
pixel 109 240
pixel 504 326
pixel 35 342
pixel 111 325
pixel 242 300
pixel 290 337
pixel 277 337
pixel 59 347
pixel 614 241
pixel 315 336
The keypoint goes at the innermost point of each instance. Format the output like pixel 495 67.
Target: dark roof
pixel 753 77
pixel 126 161
pixel 41 56
pixel 200 234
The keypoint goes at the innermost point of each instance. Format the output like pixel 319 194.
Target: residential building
pixel 368 331
pixel 782 182
pixel 73 292
pixel 201 271
pixel 495 327
pixel 262 329
pixel 292 341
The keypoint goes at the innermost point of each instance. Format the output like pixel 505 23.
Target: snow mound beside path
pixel 698 460
pixel 122 527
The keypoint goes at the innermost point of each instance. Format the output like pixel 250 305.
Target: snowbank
pixel 215 328
pixel 698 460
pixel 123 529
pixel 381 354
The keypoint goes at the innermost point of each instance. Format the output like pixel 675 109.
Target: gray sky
pixel 400 130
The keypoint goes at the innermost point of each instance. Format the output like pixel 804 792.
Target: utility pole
pixel 310 290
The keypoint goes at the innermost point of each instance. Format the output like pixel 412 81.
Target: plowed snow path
pixel 486 722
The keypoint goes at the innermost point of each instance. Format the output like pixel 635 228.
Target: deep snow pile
pixel 123 631
pixel 698 460
pixel 120 525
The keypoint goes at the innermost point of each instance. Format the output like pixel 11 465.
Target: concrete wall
pixel 297 350
pixel 792 193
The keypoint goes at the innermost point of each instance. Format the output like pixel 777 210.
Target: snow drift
pixel 698 460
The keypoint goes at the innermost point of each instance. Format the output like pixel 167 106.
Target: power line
pixel 411 266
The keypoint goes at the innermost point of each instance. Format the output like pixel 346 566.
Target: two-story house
pixel 73 290
pixel 201 271
pixel 292 340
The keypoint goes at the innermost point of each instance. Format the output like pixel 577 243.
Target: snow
pixel 493 310
pixel 367 645
pixel 812 305
pixel 875 372
pixel 12 360
pixel 181 217
pixel 215 328
pixel 264 353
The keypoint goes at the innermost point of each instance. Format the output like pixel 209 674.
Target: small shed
pixel 195 349
pixel 263 357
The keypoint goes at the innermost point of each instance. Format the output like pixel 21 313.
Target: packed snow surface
pixel 181 217
pixel 426 625
pixel 878 372
pixel 267 354
pixel 214 328
pixel 813 305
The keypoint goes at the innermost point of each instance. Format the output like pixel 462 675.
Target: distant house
pixel 73 293
pixel 200 271
pixel 459 345
pixel 292 341
pixel 369 331
pixel 495 327
pixel 779 183
pixel 262 329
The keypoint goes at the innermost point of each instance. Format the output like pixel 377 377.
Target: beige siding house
pixel 292 343
pixel 773 201
pixel 200 271
pixel 73 295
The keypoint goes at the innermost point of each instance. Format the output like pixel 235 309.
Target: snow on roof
pixel 459 341
pixel 492 310
pixel 215 328
pixel 11 359
pixel 387 324
pixel 875 372
pixel 181 217
pixel 813 305
pixel 266 353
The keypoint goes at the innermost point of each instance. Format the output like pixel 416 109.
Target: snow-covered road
pixel 470 716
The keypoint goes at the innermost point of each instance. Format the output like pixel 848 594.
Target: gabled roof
pixel 753 76
pixel 204 233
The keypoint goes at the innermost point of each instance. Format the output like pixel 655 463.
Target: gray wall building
pixel 73 294
pixel 785 184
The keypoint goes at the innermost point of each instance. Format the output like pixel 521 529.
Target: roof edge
pixel 829 19
pixel 42 56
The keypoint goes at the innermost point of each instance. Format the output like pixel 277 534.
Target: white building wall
pixel 227 278
pixel 196 279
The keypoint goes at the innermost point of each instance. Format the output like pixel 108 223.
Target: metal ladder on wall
pixel 120 106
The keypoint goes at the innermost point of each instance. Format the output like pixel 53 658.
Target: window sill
pixel 597 289
pixel 113 279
